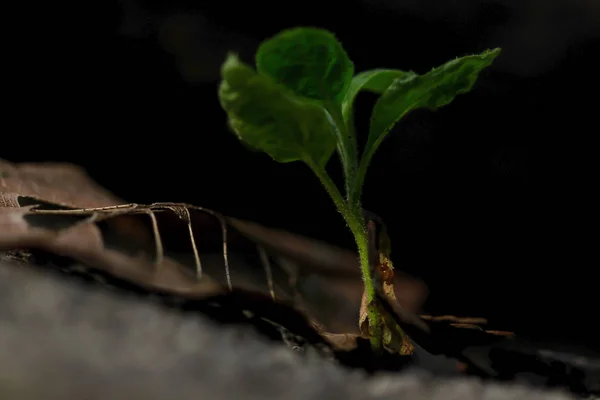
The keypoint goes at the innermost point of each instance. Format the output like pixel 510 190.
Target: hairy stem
pixel 347 150
pixel 368 153
pixel 375 319
pixel 356 223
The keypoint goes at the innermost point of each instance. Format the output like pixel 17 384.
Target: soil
pixel 67 336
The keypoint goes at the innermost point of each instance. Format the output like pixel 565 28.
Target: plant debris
pixel 293 289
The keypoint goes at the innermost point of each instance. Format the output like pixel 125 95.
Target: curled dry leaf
pixel 394 338
pixel 183 250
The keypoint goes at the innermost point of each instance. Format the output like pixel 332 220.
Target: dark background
pixel 489 199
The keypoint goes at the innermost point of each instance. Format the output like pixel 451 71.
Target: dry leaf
pixel 181 249
pixel 395 340
pixel 59 183
pixel 341 341
pixel 195 253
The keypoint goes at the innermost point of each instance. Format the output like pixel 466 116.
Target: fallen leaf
pixel 395 340
pixel 181 249
pixel 196 253
pixel 59 183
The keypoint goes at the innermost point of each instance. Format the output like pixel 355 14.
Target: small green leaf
pixel 375 80
pixel 309 61
pixel 432 90
pixel 267 116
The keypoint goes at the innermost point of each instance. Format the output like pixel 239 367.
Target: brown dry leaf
pixel 363 317
pixel 182 249
pixel 395 340
pixel 59 183
pixel 76 234
pixel 326 278
pixel 341 341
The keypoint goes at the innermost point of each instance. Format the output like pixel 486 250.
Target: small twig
pixel 264 258
pixel 160 253
pixel 455 319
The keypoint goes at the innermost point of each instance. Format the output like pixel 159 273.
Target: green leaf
pixel 375 80
pixel 432 90
pixel 267 116
pixel 309 61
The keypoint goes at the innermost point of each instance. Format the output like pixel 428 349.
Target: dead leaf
pixel 194 253
pixel 78 236
pixel 180 249
pixel 341 341
pixel 395 340
pixel 59 183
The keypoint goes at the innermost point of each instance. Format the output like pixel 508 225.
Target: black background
pixel 489 200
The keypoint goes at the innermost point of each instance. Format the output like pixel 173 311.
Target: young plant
pixel 298 106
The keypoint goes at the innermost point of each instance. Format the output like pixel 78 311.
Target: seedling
pixel 297 105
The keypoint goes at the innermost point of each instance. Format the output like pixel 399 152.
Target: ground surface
pixel 60 340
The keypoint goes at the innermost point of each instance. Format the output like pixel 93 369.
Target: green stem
pixel 368 153
pixel 375 319
pixel 348 151
pixel 360 176
pixel 355 221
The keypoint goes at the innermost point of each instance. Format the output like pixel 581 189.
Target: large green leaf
pixel 375 80
pixel 267 116
pixel 309 61
pixel 432 90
